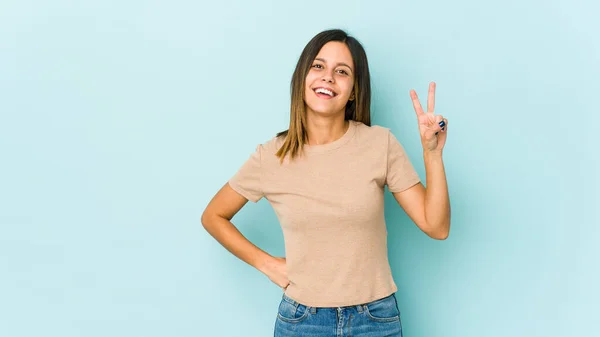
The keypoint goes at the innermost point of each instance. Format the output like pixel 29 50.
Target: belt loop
pixel 359 308
pixel 313 310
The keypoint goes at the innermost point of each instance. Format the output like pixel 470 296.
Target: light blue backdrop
pixel 121 119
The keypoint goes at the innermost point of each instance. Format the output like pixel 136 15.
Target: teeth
pixel 324 91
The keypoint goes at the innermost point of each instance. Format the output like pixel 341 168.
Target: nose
pixel 327 78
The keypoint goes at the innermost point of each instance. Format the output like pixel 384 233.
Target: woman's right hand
pixel 275 269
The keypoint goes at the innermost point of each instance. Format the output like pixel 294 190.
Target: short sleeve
pixel 247 180
pixel 400 173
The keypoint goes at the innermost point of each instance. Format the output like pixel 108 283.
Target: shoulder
pixel 373 133
pixel 266 152
pixel 272 145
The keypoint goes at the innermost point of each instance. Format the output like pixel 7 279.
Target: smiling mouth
pixel 325 93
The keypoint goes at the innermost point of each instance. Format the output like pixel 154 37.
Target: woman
pixel 325 179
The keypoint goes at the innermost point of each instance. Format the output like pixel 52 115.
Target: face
pixel 330 80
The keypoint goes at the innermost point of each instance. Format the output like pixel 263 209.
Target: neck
pixel 325 129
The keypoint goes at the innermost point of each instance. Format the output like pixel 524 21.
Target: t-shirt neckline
pixel 336 143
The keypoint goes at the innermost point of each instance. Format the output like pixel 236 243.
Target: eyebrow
pixel 339 64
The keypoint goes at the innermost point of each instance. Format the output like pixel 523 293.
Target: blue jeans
pixel 378 318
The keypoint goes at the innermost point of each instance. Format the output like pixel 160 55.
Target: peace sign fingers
pixel 430 100
pixel 432 127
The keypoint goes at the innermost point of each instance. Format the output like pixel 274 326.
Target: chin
pixel 325 110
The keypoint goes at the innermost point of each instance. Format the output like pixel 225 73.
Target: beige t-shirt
pixel 329 203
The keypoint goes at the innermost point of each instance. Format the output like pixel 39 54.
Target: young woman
pixel 325 179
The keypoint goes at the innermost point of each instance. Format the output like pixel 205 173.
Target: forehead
pixel 335 52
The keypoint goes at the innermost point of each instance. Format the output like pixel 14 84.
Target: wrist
pixel 264 263
pixel 432 153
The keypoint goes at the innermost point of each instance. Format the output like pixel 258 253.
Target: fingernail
pixel 442 123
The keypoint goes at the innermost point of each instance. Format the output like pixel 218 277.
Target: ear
pixel 351 98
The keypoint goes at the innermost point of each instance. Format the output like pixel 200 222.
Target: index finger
pixel 416 103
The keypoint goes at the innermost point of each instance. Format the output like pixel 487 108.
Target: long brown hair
pixel 358 109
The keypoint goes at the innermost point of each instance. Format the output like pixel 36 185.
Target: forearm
pixel 437 200
pixel 235 242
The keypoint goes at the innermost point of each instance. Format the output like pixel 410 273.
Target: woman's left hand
pixel 432 128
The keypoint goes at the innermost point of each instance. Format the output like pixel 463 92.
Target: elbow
pixel 440 232
pixel 440 236
pixel 210 218
pixel 205 218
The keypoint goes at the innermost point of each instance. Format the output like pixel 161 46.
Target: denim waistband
pixel 358 307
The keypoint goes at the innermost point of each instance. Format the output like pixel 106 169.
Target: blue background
pixel 119 120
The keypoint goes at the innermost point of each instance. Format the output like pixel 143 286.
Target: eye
pixel 318 66
pixel 343 72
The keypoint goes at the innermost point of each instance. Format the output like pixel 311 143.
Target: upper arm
pixel 404 183
pixel 412 200
pixel 226 203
